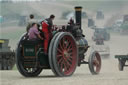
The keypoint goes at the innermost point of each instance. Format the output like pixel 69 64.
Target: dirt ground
pixel 109 75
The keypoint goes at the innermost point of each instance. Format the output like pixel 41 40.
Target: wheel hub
pixel 66 54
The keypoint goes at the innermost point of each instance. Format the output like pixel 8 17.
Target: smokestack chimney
pixel 78 10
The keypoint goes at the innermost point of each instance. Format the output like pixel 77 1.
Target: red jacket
pixel 47 25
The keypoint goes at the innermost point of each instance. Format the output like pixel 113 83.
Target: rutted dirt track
pixel 109 75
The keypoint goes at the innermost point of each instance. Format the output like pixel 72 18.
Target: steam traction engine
pixel 66 51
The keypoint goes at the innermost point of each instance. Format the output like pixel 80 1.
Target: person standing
pixel 47 28
pixel 30 21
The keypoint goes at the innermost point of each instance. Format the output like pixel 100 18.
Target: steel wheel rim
pixel 66 55
pixel 97 63
pixel 51 55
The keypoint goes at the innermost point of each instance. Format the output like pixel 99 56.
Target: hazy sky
pixel 66 0
pixel 21 0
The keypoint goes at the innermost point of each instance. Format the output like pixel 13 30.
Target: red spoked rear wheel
pixel 65 54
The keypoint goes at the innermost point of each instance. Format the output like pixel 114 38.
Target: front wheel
pixel 95 63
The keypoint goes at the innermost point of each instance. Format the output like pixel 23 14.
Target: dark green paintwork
pixel 43 59
pixel 121 56
pixel 29 50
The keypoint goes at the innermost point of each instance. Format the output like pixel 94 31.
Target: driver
pixel 47 28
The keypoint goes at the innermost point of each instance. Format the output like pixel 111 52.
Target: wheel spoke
pixel 59 55
pixel 61 46
pixel 69 48
pixel 95 62
pixel 61 66
pixel 70 51
pixel 70 59
pixel 60 60
pixel 59 50
pixel 67 62
pixel 67 65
